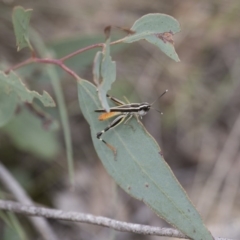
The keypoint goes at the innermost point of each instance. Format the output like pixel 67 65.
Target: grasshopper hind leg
pixel 113 124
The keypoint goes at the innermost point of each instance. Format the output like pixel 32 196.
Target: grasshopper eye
pixel 145 108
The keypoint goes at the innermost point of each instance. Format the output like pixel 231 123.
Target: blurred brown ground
pixel 199 132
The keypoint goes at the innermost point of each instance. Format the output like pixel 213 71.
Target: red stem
pixel 81 51
pixel 19 65
pixel 44 60
pixel 58 62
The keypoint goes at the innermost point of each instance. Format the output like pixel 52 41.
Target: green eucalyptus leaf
pixel 140 169
pixel 157 29
pixel 21 18
pixel 28 133
pixel 108 75
pixel 97 68
pixel 11 84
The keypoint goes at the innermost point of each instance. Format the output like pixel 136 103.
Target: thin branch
pixel 12 185
pixel 86 49
pixel 57 62
pixel 81 51
pixel 19 65
pixel 31 210
pixel 69 71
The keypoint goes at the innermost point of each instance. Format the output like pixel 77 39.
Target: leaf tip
pixel 107 31
pixel 177 59
pixel 49 102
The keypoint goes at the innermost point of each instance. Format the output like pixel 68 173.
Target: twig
pixel 31 210
pixel 97 45
pixel 11 184
pixel 57 62
pixel 19 65
pixel 81 51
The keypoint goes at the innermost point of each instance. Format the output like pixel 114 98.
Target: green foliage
pixel 11 83
pixel 139 168
pixel 13 91
pixel 21 18
pixel 107 74
pixel 27 132
pixel 157 29
pixel 97 68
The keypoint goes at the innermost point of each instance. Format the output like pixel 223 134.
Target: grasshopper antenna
pixel 159 97
pixel 158 111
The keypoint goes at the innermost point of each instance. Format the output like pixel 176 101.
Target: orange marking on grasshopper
pixel 107 115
